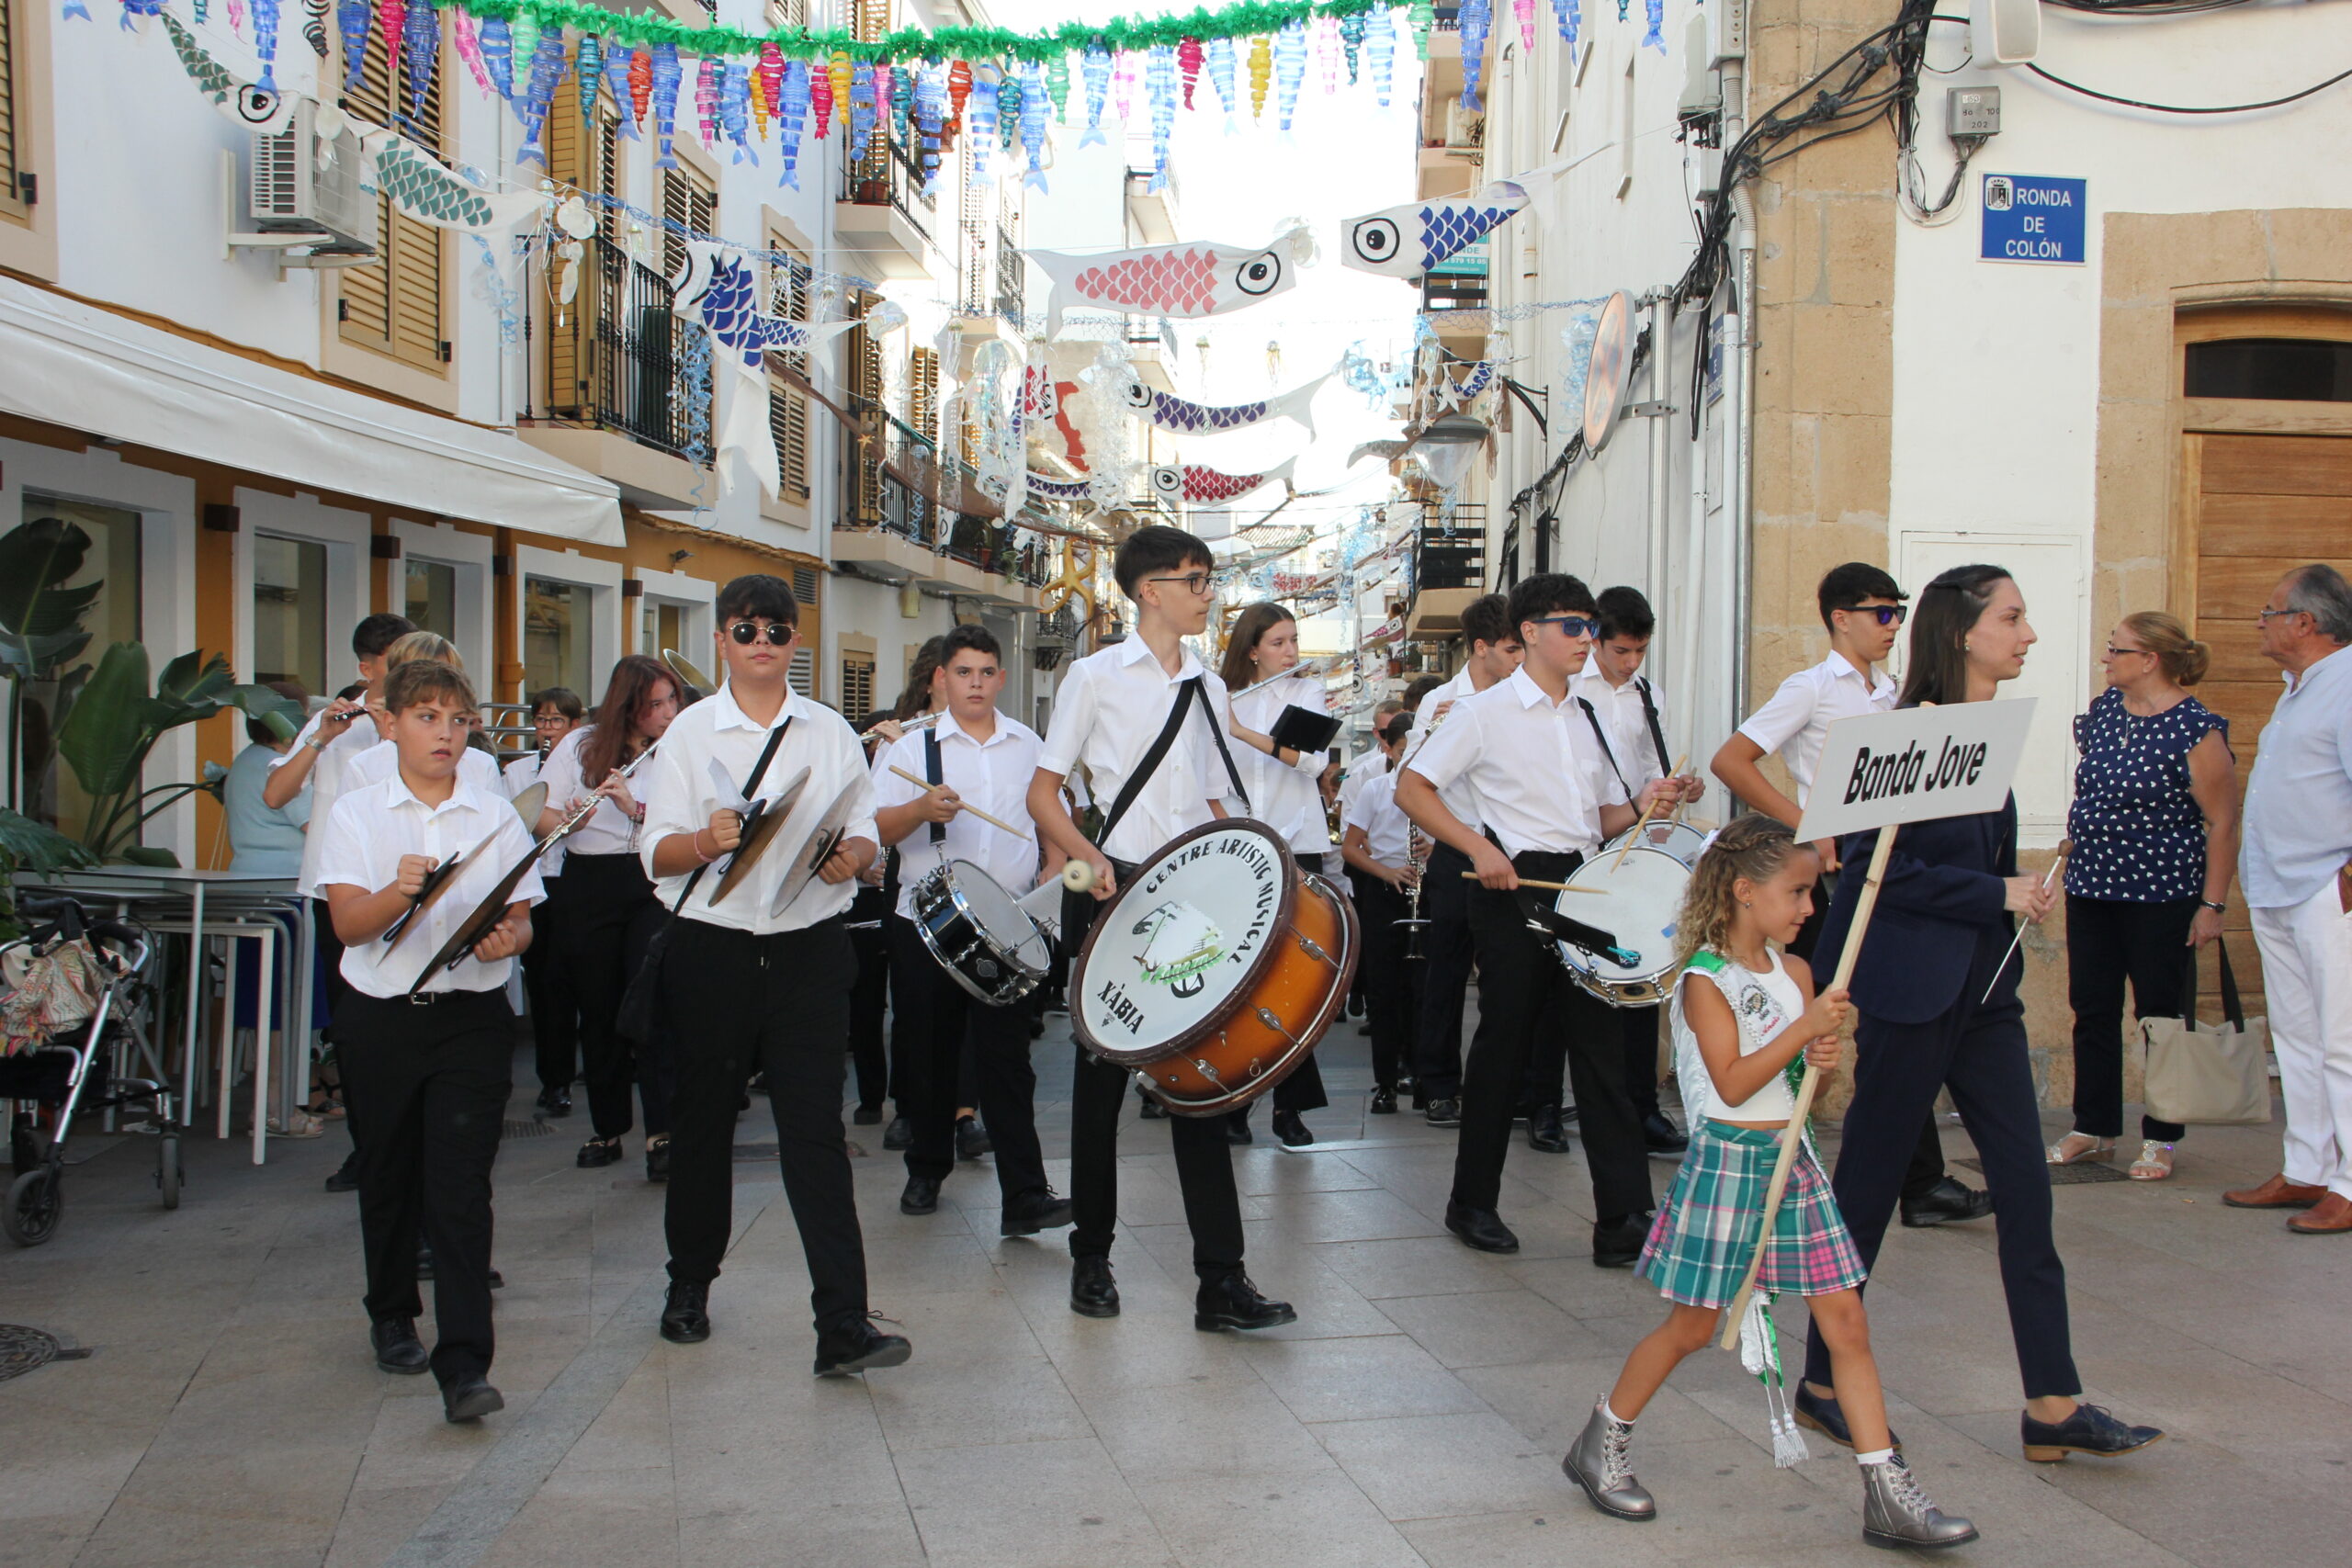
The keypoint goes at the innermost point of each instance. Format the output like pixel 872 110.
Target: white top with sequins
pixel 1765 1006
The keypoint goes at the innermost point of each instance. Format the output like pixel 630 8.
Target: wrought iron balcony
pixel 614 357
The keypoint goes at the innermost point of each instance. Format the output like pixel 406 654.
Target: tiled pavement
pixel 1416 1414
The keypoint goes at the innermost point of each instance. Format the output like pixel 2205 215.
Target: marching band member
pixel 978 755
pixel 747 988
pixel 1111 714
pixel 1862 609
pixel 1376 846
pixel 428 1083
pixel 1495 652
pixel 556 711
pixel 1282 795
pixel 1549 796
pixel 1367 765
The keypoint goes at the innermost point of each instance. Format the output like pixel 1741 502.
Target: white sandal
pixel 2154 1163
pixel 2095 1148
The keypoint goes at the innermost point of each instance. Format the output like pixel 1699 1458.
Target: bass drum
pixel 1640 903
pixel 1215 969
pixel 1678 839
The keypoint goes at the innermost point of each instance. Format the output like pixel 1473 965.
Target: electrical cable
pixel 2179 109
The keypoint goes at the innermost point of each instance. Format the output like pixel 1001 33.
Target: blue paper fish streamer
pixel 1407 241
pixel 1477 19
pixel 139 8
pixel 863 113
pixel 497 51
pixel 1222 62
pixel 667 75
pixel 930 114
pixel 588 75
pixel 422 40
pixel 1352 41
pixel 617 59
pixel 1032 124
pixel 1169 412
pixel 1380 43
pixel 1096 67
pixel 352 19
pixel 1159 84
pixel 546 74
pixel 791 115
pixel 980 119
pixel 1656 38
pixel 1571 15
pixel 264 41
pixel 1290 68
pixel 735 108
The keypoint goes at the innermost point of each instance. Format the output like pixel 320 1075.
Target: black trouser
pixel 1639 1027
pixel 1204 1159
pixel 329 976
pixel 1392 982
pixel 428 1100
pixel 604 919
pixel 1527 1003
pixel 903 1031
pixel 555 1019
pixel 1926 1171
pixel 737 1004
pixel 2108 941
pixel 1978 1051
pixel 869 998
pixel 950 1027
pixel 1303 1090
pixel 1445 974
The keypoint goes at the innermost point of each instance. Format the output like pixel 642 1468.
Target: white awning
pixel 76 364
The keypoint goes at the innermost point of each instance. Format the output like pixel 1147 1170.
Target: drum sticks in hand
pixel 927 786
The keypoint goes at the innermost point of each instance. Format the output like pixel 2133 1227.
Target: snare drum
pixel 1215 969
pixel 1678 839
pixel 1642 907
pixel 984 940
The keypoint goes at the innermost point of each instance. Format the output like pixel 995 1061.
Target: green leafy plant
pixel 41 630
pixel 26 845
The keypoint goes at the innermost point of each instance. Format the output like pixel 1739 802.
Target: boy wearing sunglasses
pixel 1862 607
pixel 1550 795
pixel 747 985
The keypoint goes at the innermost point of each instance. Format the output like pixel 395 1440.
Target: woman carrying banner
pixel 1936 998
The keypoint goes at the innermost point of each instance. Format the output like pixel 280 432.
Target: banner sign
pixel 1916 764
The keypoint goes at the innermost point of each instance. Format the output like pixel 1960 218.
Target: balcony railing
pixel 1011 276
pixel 1453 291
pixel 888 175
pixel 1452 553
pixel 879 499
pixel 614 359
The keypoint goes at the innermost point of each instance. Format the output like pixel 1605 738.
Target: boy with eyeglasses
pixel 1550 796
pixel 1863 609
pixel 747 985
pixel 1109 712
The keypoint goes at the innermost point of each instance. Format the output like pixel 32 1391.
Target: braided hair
pixel 1754 846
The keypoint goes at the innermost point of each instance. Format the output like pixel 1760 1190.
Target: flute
pixel 587 807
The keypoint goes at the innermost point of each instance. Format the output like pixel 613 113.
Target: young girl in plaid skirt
pixel 1743 1016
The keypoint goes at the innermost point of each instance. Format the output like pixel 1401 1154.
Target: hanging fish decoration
pixel 1096 64
pixel 863 113
pixel 1380 43
pixel 1221 69
pixel 735 110
pixel 424 41
pixel 1008 116
pixel 1058 85
pixel 896 88
pixel 1525 11
pixel 930 114
pixel 706 100
pixel 718 293
pixel 791 115
pixel 1188 61
pixel 468 41
pixel 203 11
pixel 1655 37
pixel 417 183
pixel 1181 281
pixel 980 118
pixel 1290 68
pixel 1160 83
pixel 1123 86
pixel 843 76
pixel 668 77
pixel 352 20
pixel 959 92
pixel 1477 19
pixel 243 103
pixel 641 89
pixel 588 71
pixel 1169 412
pixel 1191 482
pixel 769 103
pixel 391 26
pixel 1327 52
pixel 620 61
pixel 266 42
pixel 314 26
pixel 1422 16
pixel 539 94
pixel 498 55
pixel 1032 124
pixel 1571 18
pixel 1351 31
pixel 527 32
pixel 1407 241
pixel 1261 70
pixel 821 100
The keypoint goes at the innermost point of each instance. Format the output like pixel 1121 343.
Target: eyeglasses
pixel 1574 626
pixel 1195 583
pixel 749 632
pixel 2115 652
pixel 1886 614
pixel 2267 614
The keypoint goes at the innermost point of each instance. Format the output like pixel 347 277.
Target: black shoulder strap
pixel 1187 691
pixel 1657 735
pixel 1217 733
pixel 1593 719
pixel 930 769
pixel 759 771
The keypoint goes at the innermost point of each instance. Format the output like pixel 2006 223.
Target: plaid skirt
pixel 1699 1248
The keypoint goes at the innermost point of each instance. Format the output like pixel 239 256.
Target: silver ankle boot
pixel 1599 1463
pixel 1895 1513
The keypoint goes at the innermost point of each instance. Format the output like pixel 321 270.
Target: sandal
pixel 2076 1147
pixel 2154 1163
pixel 301 1124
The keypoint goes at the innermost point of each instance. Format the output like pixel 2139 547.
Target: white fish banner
pixel 718 292
pixel 1169 412
pixel 1177 281
pixel 1406 241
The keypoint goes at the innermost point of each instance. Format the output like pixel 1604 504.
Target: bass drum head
pixel 1639 901
pixel 1004 922
pixel 1191 933
pixel 1678 839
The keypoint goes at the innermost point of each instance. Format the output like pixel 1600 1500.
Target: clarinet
pixel 1418 846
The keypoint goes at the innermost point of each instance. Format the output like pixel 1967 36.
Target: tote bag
pixel 2209 1074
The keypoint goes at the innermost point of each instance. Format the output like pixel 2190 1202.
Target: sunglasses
pixel 1574 626
pixel 1886 614
pixel 749 632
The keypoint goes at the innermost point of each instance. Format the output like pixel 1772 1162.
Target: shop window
pixel 290 612
pixel 665 628
pixel 49 791
pixel 432 602
pixel 2308 371
pixel 556 635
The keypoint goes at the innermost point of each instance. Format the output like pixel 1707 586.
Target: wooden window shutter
pixel 583 157
pixel 803 673
pixel 687 199
pixel 788 14
pixel 922 394
pixel 857 686
pixel 871 23
pixel 395 304
pixel 789 296
pixel 12 133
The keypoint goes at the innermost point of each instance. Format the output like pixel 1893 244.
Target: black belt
pixel 428 999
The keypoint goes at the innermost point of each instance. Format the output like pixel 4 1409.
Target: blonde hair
pixel 1754 846
pixel 2182 657
pixel 422 645
pixel 428 680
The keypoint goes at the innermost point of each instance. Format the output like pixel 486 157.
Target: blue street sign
pixel 2031 218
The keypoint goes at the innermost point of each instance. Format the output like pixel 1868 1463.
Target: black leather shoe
pixel 1443 1112
pixel 1093 1291
pixel 1665 1140
pixel 1947 1202
pixel 554 1102
pixel 1236 1131
pixel 1825 1416
pixel 597 1152
pixel 470 1399
pixel 347 1175
pixel 1036 1029
pixel 921 1196
pixel 1545 1133
pixel 1152 1110
pixel 1234 1303
pixel 398 1349
pixel 898 1134
pixel 495 1280
pixel 657 1160
pixel 686 1316
pixel 1026 1213
pixel 1481 1228
pixel 972 1139
pixel 1619 1245
pixel 867 1116
pixel 857 1345
pixel 1384 1102
pixel 1291 1128
pixel 2091 1429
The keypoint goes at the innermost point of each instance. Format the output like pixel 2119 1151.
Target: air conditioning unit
pixel 304 193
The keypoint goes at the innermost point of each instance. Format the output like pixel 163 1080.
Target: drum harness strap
pixel 1657 735
pixel 1187 691
pixel 1593 719
pixel 930 769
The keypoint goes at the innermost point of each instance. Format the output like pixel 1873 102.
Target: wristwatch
pixel 2217 908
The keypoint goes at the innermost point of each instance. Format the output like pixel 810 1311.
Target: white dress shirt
pixel 1385 829
pixel 521 771
pixel 1624 722
pixel 684 796
pixel 1460 797
pixel 992 774
pixel 1108 710
pixel 607 830
pixel 1284 796
pixel 1359 774
pixel 326 782
pixel 2298 802
pixel 1797 719
pixel 374 825
pixel 1535 764
pixel 382 761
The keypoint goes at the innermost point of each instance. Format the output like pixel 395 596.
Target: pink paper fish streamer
pixel 706 99
pixel 468 42
pixel 1525 11
pixel 1178 282
pixel 391 26
pixel 1189 481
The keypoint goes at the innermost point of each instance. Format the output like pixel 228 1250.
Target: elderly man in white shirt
pixel 2296 868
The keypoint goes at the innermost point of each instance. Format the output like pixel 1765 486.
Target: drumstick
pixel 1647 812
pixel 2065 848
pixel 1547 886
pixel 974 810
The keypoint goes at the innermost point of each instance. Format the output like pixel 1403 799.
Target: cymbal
pixel 698 685
pixel 529 805
pixel 817 846
pixel 761 825
pixel 438 882
pixel 479 923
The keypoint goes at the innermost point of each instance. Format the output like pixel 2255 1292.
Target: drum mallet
pixel 991 821
pixel 1546 887
pixel 2065 848
pixel 1647 812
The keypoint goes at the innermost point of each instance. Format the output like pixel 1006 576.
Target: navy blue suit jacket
pixel 1943 891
